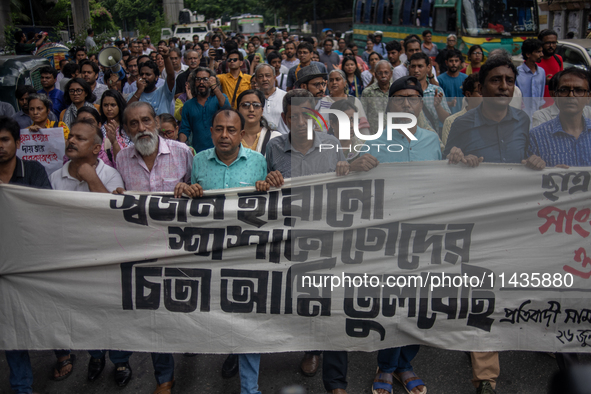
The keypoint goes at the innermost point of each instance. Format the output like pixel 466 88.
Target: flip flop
pixel 383 380
pixel 59 365
pixel 412 383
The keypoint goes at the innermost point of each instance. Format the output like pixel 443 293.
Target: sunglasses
pixel 232 60
pixel 254 105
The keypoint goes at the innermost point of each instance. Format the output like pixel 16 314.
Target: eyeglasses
pixel 167 133
pixel 319 85
pixel 577 92
pixel 412 100
pixel 233 59
pixel 477 53
pixel 199 80
pixel 246 105
pixel 76 91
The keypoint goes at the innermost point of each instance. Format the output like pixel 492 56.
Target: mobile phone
pixel 219 53
pixel 271 31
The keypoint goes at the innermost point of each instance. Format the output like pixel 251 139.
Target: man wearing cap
pixel 313 80
pixel 378 45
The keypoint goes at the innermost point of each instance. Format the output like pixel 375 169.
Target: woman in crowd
pixel 338 90
pixel 114 138
pixel 77 95
pixel 354 81
pixel 39 109
pixel 475 56
pixel 368 76
pixel 428 47
pixel 250 105
pixel 360 63
pixel 159 63
pixel 315 56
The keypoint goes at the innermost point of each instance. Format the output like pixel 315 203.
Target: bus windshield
pixel 486 17
pixel 251 25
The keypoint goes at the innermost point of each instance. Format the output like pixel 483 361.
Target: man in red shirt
pixel 551 62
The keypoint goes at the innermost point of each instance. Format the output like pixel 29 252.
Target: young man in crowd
pixel 305 55
pixel 551 62
pixel 451 81
pixel 234 82
pixel 90 73
pixel 56 96
pixel 531 78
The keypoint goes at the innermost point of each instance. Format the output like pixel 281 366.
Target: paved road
pixel 445 372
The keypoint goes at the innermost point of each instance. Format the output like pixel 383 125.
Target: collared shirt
pixel 62 180
pixel 98 91
pixel 291 163
pixel 197 119
pixel 429 105
pixel 228 85
pixel 555 146
pixel 212 173
pixel 498 142
pixel 400 149
pixel 161 99
pixel 172 165
pixel 546 114
pixel 57 98
pixel 375 101
pixel 184 68
pixel 30 173
pixel 531 85
pixel 274 109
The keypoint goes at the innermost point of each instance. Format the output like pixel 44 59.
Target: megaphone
pixel 109 58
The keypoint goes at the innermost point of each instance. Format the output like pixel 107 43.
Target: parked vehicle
pixel 190 24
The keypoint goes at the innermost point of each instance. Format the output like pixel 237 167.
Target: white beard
pixel 146 147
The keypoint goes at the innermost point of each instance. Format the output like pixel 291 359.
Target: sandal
pixel 383 380
pixel 59 365
pixel 409 380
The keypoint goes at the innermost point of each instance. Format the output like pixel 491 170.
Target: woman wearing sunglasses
pixel 257 133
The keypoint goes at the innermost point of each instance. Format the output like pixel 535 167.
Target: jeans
pixel 249 373
pixel 116 356
pixel 397 359
pixel 334 370
pixel 21 373
pixel 163 367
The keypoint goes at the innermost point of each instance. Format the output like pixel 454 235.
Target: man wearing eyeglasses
pixel 234 82
pixel 551 62
pixel 197 114
pixel 313 80
pixel 566 139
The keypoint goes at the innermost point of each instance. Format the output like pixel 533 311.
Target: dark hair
pixel 289 43
pixel 97 132
pixel 494 62
pixel 473 48
pixel 420 56
pixel 230 46
pixel 257 37
pixel 327 40
pixel 48 70
pixel 315 52
pixel 195 35
pixel 231 110
pixel 411 36
pixel 216 36
pixel 529 46
pixel 376 54
pixel 341 105
pixel 553 82
pixel 200 45
pixel 469 83
pixel 393 45
pixel 125 53
pixel 546 32
pixel 271 48
pixel 297 94
pixel 261 97
pixel 94 66
pixel 357 72
pixel 70 69
pixel 426 32
pixel 167 118
pixel 89 30
pixel 454 53
pixel 130 59
pixel 10 125
pixel 277 43
pixel 17 36
pixel 193 75
pixel 175 50
pixel 162 42
pixel 90 110
pixel 107 76
pixel 121 104
pixel 22 90
pixel 575 72
pixel 63 60
pixel 412 40
pixel 79 49
pixel 139 62
pixel 309 40
pixel 236 52
pixel 306 45
pixel 152 65
pixel 272 56
pixel 90 97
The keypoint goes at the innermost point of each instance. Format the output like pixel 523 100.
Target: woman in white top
pixel 257 134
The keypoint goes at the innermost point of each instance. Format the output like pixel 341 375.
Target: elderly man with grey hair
pixel 264 76
pixel 197 116
pixel 452 41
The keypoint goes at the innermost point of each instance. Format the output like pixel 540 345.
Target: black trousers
pixel 334 370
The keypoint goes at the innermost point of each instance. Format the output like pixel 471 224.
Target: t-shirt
pixel 452 87
pixel 24 49
pixel 160 99
pixel 551 67
pixel 330 60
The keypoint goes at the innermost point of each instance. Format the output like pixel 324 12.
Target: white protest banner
pixel 47 146
pixel 491 258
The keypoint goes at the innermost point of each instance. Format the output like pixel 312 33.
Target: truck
pixel 190 24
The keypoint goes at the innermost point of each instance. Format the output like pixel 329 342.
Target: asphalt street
pixel 444 372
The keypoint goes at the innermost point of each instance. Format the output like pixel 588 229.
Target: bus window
pixel 360 9
pixel 482 17
pixel 368 9
pixel 378 13
pixel 445 19
pixel 408 12
pixel 388 11
pixel 424 17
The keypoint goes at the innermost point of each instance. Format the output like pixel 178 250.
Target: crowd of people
pixel 188 117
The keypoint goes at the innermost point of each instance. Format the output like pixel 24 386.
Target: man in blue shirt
pixel 227 165
pixel 566 139
pixel 531 78
pixel 48 75
pixel 160 98
pixel 451 81
pixel 197 116
pixel 406 96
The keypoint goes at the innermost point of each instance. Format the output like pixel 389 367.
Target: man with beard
pixel 90 72
pixel 160 98
pixel 313 80
pixel 264 75
pixel 451 81
pixel 153 164
pixel 452 40
pixel 85 171
pixel 551 62
pixel 531 78
pixel 198 112
pixel 290 55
